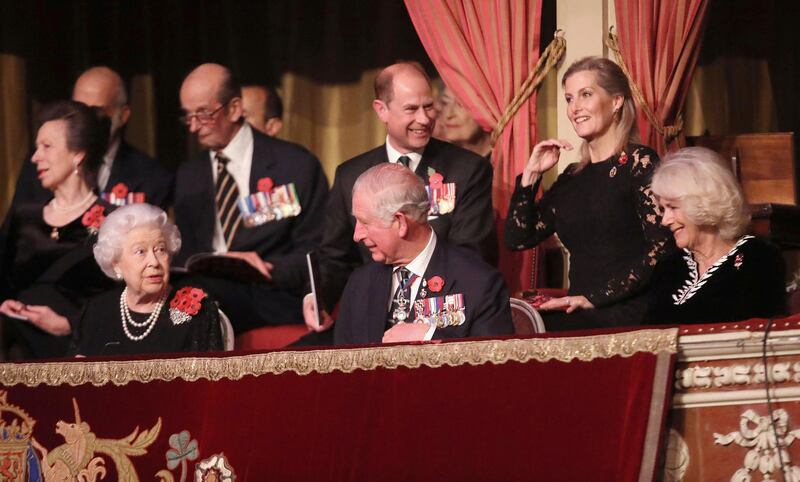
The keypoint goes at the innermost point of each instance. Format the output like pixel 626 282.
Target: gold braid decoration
pixel 668 132
pixel 345 360
pixel 550 57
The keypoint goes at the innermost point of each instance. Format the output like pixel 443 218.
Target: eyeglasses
pixel 202 116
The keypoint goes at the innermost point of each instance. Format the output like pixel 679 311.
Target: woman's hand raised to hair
pixel 544 156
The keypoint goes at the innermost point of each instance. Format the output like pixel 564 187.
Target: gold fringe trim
pixel 345 360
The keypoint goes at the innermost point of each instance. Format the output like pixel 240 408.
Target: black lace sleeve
pixel 530 222
pixel 633 278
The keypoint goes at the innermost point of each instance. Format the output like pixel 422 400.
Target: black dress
pixel 748 282
pixel 100 330
pixel 52 267
pixel 606 216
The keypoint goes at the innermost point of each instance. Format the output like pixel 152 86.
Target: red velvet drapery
pixel 484 51
pixel 660 41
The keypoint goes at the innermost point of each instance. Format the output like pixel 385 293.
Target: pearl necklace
pixel 65 209
pixel 149 323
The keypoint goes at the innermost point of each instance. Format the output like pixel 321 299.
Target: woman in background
pixel 719 273
pixel 601 207
pixel 47 271
pixel 460 128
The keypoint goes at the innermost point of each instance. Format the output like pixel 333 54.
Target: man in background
pixel 404 103
pixel 237 164
pixel 263 109
pixel 125 169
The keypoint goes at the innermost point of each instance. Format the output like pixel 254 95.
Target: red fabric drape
pixel 484 51
pixel 660 41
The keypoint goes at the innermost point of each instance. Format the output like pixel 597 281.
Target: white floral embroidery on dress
pixel 695 282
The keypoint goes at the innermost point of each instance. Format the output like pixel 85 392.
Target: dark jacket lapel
pixel 378 300
pixel 430 157
pixel 261 162
pixel 121 170
pixel 437 267
pixel 206 210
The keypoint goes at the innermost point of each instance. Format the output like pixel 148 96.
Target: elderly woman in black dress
pixel 719 273
pixel 46 266
pixel 601 207
pixel 146 315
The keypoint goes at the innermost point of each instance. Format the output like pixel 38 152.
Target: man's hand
pixel 47 319
pixel 406 332
pixel 311 319
pixel 254 260
pixel 568 304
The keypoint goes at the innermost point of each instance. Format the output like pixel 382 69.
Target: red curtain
pixel 660 41
pixel 484 51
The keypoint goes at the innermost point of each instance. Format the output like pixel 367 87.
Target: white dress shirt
pixel 240 152
pixel 417 267
pixel 394 155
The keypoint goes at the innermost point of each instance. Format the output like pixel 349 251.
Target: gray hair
pixel 394 188
pixel 709 194
pixel 122 221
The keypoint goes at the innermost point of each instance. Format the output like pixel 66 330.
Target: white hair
pixel 394 188
pixel 122 221
pixel 706 189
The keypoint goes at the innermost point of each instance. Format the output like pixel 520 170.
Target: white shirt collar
pixel 394 155
pixel 237 148
pixel 419 264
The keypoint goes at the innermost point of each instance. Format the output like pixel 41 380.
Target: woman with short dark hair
pixel 47 271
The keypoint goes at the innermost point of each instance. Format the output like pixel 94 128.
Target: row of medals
pixel 441 319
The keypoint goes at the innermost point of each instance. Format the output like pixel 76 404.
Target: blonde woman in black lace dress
pixel 601 207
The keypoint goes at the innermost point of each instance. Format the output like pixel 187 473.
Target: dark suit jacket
pixel 364 307
pixel 283 243
pixel 471 224
pixel 131 167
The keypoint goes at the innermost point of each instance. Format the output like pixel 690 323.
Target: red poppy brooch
pixel 441 195
pixel 265 184
pixel 93 218
pixel 120 190
pixel 621 161
pixel 436 180
pixel 185 304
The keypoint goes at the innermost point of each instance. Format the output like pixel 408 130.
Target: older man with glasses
pixel 247 196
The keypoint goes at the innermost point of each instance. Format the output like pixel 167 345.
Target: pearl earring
pixel 119 275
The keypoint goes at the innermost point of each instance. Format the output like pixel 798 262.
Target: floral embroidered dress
pixel 55 267
pixel 606 217
pixel 748 282
pixel 188 322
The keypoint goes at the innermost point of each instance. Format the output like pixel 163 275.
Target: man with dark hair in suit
pixel 462 216
pixel 263 109
pixel 421 287
pixel 125 169
pixel 224 197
